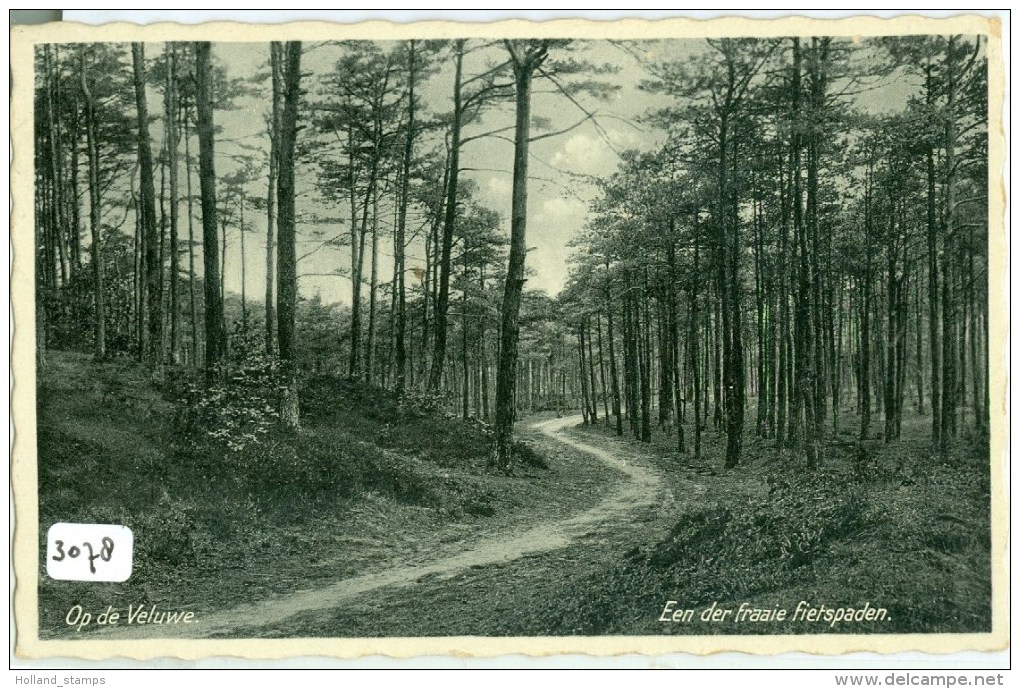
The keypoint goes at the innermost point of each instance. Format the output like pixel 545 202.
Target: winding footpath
pixel 643 488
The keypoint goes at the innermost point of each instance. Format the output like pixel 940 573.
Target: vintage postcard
pixel 512 338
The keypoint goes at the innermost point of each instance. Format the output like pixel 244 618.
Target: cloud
pixel 498 187
pixel 590 154
pixel 585 154
pixel 563 208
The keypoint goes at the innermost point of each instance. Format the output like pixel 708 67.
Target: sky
pixel 558 192
pixel 560 166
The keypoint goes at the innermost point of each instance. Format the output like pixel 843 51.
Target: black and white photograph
pixel 671 336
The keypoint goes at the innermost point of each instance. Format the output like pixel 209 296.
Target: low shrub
pixel 422 403
pixel 240 407
pixel 723 553
pixel 169 533
pixel 525 453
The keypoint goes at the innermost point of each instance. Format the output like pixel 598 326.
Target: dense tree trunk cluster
pixel 814 240
pixel 787 262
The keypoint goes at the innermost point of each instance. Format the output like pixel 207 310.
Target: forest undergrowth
pixel 372 480
pixel 368 479
pixel 908 532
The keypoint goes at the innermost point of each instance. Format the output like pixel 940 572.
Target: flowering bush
pixel 241 406
pixel 421 403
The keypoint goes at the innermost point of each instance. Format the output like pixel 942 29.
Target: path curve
pixel 644 489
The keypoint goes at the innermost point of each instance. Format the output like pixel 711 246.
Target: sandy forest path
pixel 641 491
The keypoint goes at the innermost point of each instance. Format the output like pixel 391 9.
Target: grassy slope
pixel 363 483
pixel 910 538
pixel 911 535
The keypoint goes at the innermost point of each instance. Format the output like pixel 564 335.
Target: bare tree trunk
pixel 678 360
pixel 153 267
pixel 918 348
pixel 356 261
pixel 465 384
pixel 934 317
pixel 645 365
pixel 164 307
pixel 976 362
pixel 139 271
pixel 632 364
pixel 717 355
pixel 95 219
pixel 949 313
pixel 602 366
pixel 75 229
pixel 784 364
pixel 443 303
pixel 524 66
pixel 804 346
pixel 274 145
pixel 483 357
pixel 287 293
pixel 761 417
pixel 191 240
pixel 57 218
pixel 244 268
pixel 223 218
pixel 172 134
pixel 215 337
pixel 816 102
pixel 593 386
pixel 890 337
pixel 692 315
pixel 865 334
pixel 45 222
pixel 398 249
pixel 732 354
pixel 666 346
pixel 613 374
pixel 373 284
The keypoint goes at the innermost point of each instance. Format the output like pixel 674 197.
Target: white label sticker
pixel 89 552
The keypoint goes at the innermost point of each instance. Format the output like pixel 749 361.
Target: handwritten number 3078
pixel 104 554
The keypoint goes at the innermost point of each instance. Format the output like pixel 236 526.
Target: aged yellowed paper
pixel 511 338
